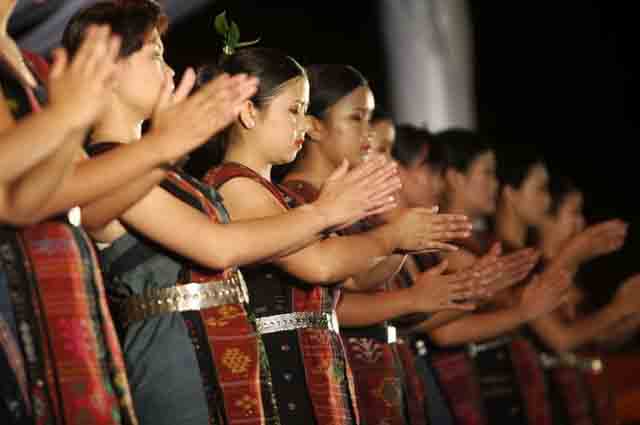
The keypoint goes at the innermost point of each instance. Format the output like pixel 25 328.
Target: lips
pixel 299 143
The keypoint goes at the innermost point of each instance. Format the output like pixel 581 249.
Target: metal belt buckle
pixel 392 334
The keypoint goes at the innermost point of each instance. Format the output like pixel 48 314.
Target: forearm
pixel 436 320
pixel 562 336
pixel 98 214
pixel 26 196
pixel 30 141
pixel 364 309
pixel 478 327
pixel 378 275
pixel 105 174
pixel 620 333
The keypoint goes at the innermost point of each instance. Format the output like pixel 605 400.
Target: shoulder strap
pixel 303 189
pixel 221 174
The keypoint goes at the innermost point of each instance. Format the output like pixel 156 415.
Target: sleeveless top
pixel 189 367
pixel 65 356
pixel 311 377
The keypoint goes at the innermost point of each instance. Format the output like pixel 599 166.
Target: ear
pixel 248 114
pixel 317 129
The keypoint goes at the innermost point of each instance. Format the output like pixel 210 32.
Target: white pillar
pixel 429 50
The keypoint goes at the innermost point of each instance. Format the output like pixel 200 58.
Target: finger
pixel 80 58
pixel 381 209
pixel 440 246
pixel 464 306
pixel 187 82
pixel 438 269
pixel 59 65
pixel 365 169
pixel 212 88
pixel 107 68
pixel 99 50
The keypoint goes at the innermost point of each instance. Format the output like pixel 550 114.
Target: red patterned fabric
pixel 457 377
pixel 416 391
pixel 377 381
pixel 232 341
pixel 526 362
pixel 575 395
pixel 84 375
pixel 326 370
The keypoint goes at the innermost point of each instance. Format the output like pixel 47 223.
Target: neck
pixel 312 166
pixel 547 244
pixel 243 151
pixel 118 124
pixel 510 228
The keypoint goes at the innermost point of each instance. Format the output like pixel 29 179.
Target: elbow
pixel 324 274
pixel 224 259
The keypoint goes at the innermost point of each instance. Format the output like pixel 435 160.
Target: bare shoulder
pixel 245 198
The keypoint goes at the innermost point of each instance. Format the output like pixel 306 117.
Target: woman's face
pixel 568 219
pixel 384 135
pixel 283 123
pixel 347 130
pixel 141 76
pixel 532 199
pixel 480 185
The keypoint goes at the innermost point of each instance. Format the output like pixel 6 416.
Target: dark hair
pixel 131 20
pixel 515 162
pixel 379 114
pixel 330 83
pixel 559 189
pixel 273 67
pixel 410 142
pixel 458 148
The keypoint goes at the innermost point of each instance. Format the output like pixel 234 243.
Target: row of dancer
pixel 300 333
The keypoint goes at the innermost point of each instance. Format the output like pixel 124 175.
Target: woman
pixel 190 347
pixel 498 356
pixel 568 329
pixel 311 377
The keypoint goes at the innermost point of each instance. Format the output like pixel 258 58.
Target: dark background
pixel 560 76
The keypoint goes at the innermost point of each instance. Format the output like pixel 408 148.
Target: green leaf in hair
pixel 230 33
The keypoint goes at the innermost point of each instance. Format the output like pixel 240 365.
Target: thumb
pixel 187 83
pixel 340 172
pixel 60 60
pixel 439 269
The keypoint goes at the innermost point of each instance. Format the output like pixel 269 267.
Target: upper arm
pixel 246 199
pixel 179 227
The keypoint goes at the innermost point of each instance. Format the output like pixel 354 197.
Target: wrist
pixel 387 238
pixel 60 118
pixel 318 215
pixel 153 143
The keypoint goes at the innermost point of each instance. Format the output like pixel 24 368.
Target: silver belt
pixel 190 296
pixel 297 320
pixel 585 364
pixel 475 349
